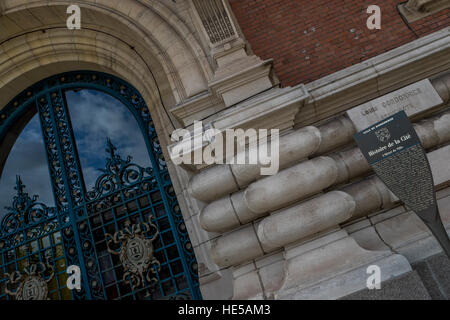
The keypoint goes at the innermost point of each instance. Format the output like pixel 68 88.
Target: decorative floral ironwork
pixel 118 173
pixel 135 251
pixel 30 284
pixel 65 169
pixel 25 211
pixel 124 185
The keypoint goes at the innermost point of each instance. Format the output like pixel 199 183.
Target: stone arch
pixel 150 44
pixel 129 38
pixel 166 64
pixel 20 110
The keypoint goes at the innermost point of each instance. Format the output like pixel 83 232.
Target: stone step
pixel 429 280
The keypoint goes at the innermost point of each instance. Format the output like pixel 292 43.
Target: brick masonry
pixel 309 39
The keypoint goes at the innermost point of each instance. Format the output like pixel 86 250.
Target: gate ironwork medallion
pixel 31 283
pixel 135 252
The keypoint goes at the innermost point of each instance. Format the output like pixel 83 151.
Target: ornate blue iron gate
pixel 127 234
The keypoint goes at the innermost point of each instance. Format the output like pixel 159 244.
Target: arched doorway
pixel 126 233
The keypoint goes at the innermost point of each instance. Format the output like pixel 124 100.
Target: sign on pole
pixel 395 153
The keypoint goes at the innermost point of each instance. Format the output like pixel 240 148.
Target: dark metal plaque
pixel 395 153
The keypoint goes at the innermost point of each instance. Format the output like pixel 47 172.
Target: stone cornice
pixel 247 72
pixel 303 105
pixel 197 108
pixel 275 108
pixel 372 78
pixel 414 10
pixel 234 81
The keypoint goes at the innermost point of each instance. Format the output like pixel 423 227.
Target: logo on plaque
pixel 383 134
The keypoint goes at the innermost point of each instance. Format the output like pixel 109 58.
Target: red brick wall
pixel 309 39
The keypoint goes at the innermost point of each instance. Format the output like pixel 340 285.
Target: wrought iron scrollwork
pixel 30 284
pixel 24 212
pixel 124 191
pixel 118 173
pixel 135 250
pixel 65 170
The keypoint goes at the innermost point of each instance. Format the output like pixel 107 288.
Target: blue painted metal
pixel 29 234
pixel 124 194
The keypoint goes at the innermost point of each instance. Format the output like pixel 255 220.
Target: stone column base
pixel 334 266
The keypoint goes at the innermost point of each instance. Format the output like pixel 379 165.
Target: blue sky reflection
pixel 95 116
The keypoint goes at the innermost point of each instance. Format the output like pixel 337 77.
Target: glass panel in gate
pixel 134 240
pixel 32 251
pixel 126 234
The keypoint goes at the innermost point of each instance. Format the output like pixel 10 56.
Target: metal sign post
pixel 395 153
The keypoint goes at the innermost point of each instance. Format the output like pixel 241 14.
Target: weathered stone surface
pixel 413 99
pixel 292 148
pixel 308 275
pixel 212 183
pixel 163 38
pixel 219 216
pixel 368 239
pixel 153 46
pixel 429 280
pixel 349 164
pixel 291 184
pixel 224 251
pixel 435 274
pixel 414 10
pixel 320 213
pixel 305 219
pixel 439 165
pixel 405 287
pixel 384 73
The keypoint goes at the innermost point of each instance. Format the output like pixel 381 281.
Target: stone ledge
pixel 306 278
pixel 405 287
pixel 402 231
pixel 415 10
pixel 303 105
pixel 435 274
pixel 272 109
pixel 374 77
pixel 197 108
pixel 267 110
